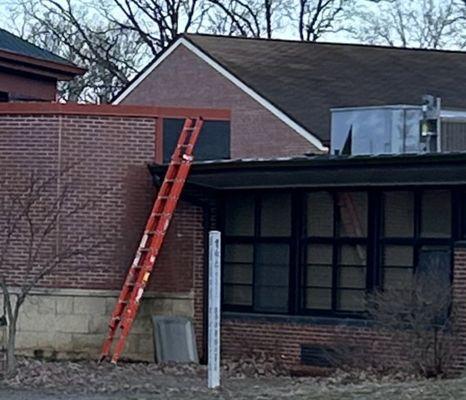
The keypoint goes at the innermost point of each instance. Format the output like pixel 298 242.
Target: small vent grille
pixel 318 356
pixel 453 136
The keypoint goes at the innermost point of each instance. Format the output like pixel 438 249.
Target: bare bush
pixel 419 317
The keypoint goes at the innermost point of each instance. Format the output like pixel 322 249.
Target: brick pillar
pixel 459 299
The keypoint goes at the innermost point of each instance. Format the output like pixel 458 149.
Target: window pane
pixel 320 254
pixel 396 277
pixel 237 273
pixel 276 214
pixel 271 299
pixel 318 299
pixel 353 214
pixel 238 253
pixel 319 276
pixel 271 277
pixel 237 295
pixel 436 214
pixel 320 214
pixel 352 277
pixel 239 214
pixel 319 268
pixel 398 214
pixel 351 300
pixel 435 261
pixel 353 254
pixel 352 266
pixel 401 256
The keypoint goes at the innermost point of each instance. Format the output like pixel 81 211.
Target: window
pixel 238 274
pixel 436 214
pixel 320 252
pixel 335 272
pixel 411 221
pixel 257 252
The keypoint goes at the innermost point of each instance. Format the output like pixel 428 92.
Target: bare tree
pixel 32 210
pixel 259 18
pixel 157 22
pixel 111 54
pixel 420 317
pixel 317 17
pixel 433 24
pixel 114 39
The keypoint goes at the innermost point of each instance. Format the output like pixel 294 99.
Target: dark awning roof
pixel 329 171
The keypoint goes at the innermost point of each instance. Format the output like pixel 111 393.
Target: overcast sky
pixel 289 32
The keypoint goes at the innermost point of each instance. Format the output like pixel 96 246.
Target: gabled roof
pixel 15 49
pixel 303 80
pixel 15 44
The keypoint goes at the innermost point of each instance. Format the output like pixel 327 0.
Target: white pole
pixel 213 375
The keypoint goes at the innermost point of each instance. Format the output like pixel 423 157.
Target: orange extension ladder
pixel 159 220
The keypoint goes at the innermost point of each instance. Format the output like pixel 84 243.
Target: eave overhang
pixel 39 67
pixel 329 171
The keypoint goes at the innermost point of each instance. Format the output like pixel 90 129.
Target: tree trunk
pixel 10 349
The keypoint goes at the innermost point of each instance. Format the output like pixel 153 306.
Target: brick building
pixel 29 73
pixel 296 265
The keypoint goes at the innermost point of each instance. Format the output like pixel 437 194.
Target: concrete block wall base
pixel 72 323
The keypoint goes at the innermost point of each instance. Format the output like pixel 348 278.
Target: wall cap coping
pixel 297 319
pixel 109 110
pixel 101 293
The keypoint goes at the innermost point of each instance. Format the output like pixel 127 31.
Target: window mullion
pixel 336 225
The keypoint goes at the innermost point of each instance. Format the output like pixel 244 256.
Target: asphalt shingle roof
pixel 306 79
pixel 15 44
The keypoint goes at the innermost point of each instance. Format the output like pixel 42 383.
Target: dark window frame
pixel 374 242
pixel 255 241
pixel 336 241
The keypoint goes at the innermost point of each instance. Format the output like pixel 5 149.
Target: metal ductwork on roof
pixel 398 129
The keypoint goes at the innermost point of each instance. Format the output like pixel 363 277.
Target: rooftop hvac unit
pixel 398 129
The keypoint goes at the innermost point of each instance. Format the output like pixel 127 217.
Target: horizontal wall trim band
pixel 101 293
pixel 295 319
pixel 112 110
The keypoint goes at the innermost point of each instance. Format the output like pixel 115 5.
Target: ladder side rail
pixel 181 163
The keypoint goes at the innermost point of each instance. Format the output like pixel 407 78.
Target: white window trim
pixel 216 66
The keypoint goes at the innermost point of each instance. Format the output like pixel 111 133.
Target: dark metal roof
pixel 329 171
pixel 14 44
pixel 306 79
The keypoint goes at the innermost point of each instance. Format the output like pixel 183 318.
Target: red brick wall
pixel 284 339
pixel 459 297
pixel 110 156
pixel 24 87
pixel 184 80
